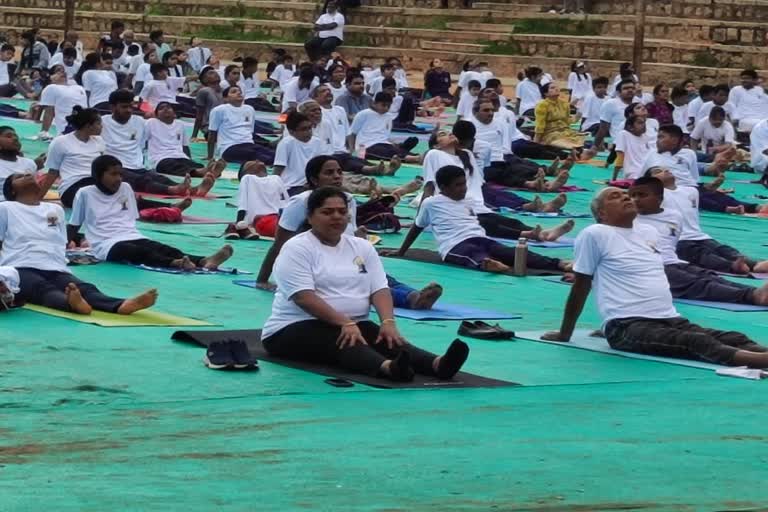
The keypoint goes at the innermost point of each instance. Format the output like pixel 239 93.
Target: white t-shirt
pixel 758 143
pixel 293 94
pixel 371 128
pixel 143 74
pixel 294 215
pixel 5 77
pixel 33 236
pixel 261 195
pixel 333 130
pixel 435 159
pixel 327 18
pixel 483 153
pixel 612 112
pixel 293 154
pixel 668 225
pixel 467 76
pixel 616 81
pixel 513 132
pixel 683 165
pixel 100 83
pixel 337 91
pixel 20 166
pixel 282 75
pixel 250 86
pixel 627 271
pixel 70 71
pixel 465 107
pixel 693 107
pixel 590 110
pixel 452 221
pixel 685 200
pixel 73 158
pixel 529 94
pixel 635 151
pixel 165 140
pixel 496 134
pixel 709 135
pixel 748 103
pixel 706 108
pixel 157 91
pixel 580 89
pixel 344 276
pixel 63 99
pixel 198 56
pixel 680 116
pixel 125 141
pixel 234 125
pixel 106 219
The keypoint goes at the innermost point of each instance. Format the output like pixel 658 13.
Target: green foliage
pixel 503 48
pixel 705 59
pixel 236 32
pixel 557 26
pixel 159 10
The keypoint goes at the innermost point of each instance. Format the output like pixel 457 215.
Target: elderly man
pixel 633 296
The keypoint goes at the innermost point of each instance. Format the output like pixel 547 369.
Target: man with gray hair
pixel 632 293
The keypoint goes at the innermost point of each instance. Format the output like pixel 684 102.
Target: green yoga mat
pixel 140 319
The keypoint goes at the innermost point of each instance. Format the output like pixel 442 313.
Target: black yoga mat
pixel 252 337
pixel 427 256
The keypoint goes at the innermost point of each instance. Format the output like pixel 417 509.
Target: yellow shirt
pixel 553 116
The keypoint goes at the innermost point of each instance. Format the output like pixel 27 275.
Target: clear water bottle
pixel 361 151
pixel 521 257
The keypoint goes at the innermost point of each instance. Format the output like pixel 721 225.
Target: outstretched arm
pixel 573 308
pixel 411 237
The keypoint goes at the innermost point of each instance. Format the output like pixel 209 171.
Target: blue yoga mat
pixel 220 271
pixel 441 311
pixel 562 242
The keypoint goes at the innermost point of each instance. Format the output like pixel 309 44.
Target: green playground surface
pixel 122 418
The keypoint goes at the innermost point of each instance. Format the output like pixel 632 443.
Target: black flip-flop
pixel 471 329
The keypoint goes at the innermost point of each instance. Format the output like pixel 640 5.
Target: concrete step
pixel 486 27
pixel 456 47
pixel 509 7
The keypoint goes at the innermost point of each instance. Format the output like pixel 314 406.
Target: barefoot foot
pixel 556 204
pixel 143 301
pixel 76 301
pixel 212 262
pixel 425 298
pixel 183 204
pixel 204 187
pixel 490 265
pixel 550 235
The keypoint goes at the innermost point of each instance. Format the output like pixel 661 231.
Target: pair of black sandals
pixel 484 331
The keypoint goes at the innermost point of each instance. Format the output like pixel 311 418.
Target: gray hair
pixel 597 202
pixel 305 105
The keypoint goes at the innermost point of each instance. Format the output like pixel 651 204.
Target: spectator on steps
pixel 330 33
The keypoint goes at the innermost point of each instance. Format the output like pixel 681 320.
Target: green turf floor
pixel 102 419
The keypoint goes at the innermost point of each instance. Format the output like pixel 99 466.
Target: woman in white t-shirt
pixel 58 99
pixel 632 148
pixel 651 125
pixel 34 238
pixel 528 91
pixel 580 84
pixel 326 284
pixel 70 156
pixel 107 212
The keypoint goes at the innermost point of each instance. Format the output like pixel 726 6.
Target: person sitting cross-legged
pixel 621 259
pixel 686 280
pixel 460 237
pixel 327 282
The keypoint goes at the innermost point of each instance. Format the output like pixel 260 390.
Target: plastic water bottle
pixel 521 257
pixel 361 151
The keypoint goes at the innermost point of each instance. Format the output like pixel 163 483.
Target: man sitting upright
pixel 632 293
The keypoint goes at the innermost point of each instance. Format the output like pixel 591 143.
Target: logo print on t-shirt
pixel 124 204
pixel 53 220
pixel 133 136
pixel 360 265
pixel 652 246
pixel 672 229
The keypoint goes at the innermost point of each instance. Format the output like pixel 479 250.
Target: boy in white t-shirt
pixel 370 132
pixel 632 148
pixel 593 103
pixel 230 131
pixel 619 259
pixel 260 198
pixel 680 100
pixel 294 151
pixel 283 72
pixel 467 100
pixel 460 237
pixel 161 88
pixel 713 134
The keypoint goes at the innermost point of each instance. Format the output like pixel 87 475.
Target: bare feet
pixel 740 266
pixel 550 235
pixel 394 165
pixel 554 185
pixel 556 204
pixel 760 296
pixel 588 154
pixel 143 301
pixel 184 263
pixel 539 183
pixel 533 234
pixel 212 262
pixel 490 265
pixel 76 301
pixel 565 266
pixel 216 167
pixel 182 189
pixel 762 209
pixel 204 187
pixel 761 267
pixel 183 204
pixel 715 184
pixel 425 298
pixel 536 205
pixel 568 164
pixel 552 169
pixel 738 210
pixel 410 187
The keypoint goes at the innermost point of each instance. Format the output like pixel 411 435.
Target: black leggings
pixel 46 288
pixel 178 166
pixel 710 254
pixel 473 251
pixel 150 182
pixel 68 197
pixel 499 226
pixel 509 175
pixel 385 151
pixel 315 341
pixel 147 252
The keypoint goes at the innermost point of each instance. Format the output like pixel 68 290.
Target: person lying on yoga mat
pixel 371 130
pixel 34 241
pixel 11 159
pixel 695 246
pixel 447 153
pixel 70 155
pixel 621 258
pixel 332 128
pixel 686 280
pixel 326 283
pixel 500 165
pixel 325 171
pixel 460 236
pixel 107 212
pixel 230 131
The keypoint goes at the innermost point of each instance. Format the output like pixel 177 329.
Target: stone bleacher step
pixel 453 47
pixel 510 6
pixel 484 27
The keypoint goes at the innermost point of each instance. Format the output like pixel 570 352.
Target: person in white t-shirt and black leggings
pixel 620 259
pixel 45 280
pixel 326 284
pixel 330 33
pixel 231 131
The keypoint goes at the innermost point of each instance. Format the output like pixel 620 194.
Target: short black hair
pixel 624 82
pixel 101 164
pixel 473 84
pixel 721 88
pixel 671 129
pixel 294 119
pixel 225 92
pixel 655 184
pixel 464 130
pixel 314 166
pixel 447 174
pixel 601 80
pixel 320 195
pixel 7 48
pixel 82 117
pixel 121 96
pixel 382 97
pixel 155 34
pixel 69 52
pixel 717 112
pixel 706 90
pixel 250 61
pixel 117 24
pixel 8 186
pixel 751 73
pixel 229 69
pixel 388 82
pixel 492 83
pixel 156 68
pixel 678 91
